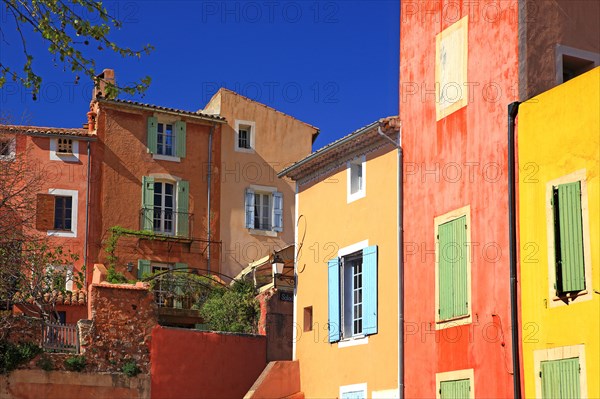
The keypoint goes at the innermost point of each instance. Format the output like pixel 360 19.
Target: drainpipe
pixel 513 110
pixel 87 213
pixel 209 179
pixel 400 223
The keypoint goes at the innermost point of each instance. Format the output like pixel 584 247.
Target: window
pixel 244 137
pixel 569 254
pixel 264 209
pixel 168 289
pixel 63 208
pixel 308 318
pixel 65 146
pixel 568 237
pixel 165 206
pixel 356 176
pixel 453 269
pixel 64 149
pixel 60 277
pixel 7 148
pixel 56 212
pixel 572 62
pixel 560 372
pixel 456 384
pixel 245 133
pixel 352 292
pixel 166 139
pixel 451 47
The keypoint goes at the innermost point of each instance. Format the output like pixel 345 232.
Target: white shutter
pixel 277 211
pixel 249 207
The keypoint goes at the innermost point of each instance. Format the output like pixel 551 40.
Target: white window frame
pixel 12 149
pixel 252 125
pixel 68 269
pixel 64 157
pixel 74 194
pixel 354 388
pixel 465 374
pixel 162 119
pixel 174 210
pixel 559 353
pixel 448 217
pixel 580 296
pixel 362 191
pixel 355 339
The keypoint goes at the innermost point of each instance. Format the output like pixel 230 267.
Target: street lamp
pixel 277 265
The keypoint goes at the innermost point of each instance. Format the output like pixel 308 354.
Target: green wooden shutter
pixel 457 389
pixel 152 134
pixel 571 263
pixel 452 269
pixel 144 268
pixel 333 291
pixel 249 206
pixel 369 296
pixel 277 211
pixel 560 379
pixel 147 203
pixel 180 133
pixel 183 203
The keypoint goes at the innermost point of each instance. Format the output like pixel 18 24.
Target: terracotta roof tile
pixel 50 131
pixel 159 108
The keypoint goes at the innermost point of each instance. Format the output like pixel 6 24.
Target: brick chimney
pixel 107 76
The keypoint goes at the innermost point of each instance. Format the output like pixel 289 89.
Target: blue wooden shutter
pixel 572 270
pixel 249 207
pixel 333 290
pixel 560 378
pixel 144 268
pixel 152 134
pixel 147 203
pixel 180 133
pixel 370 290
pixel 277 211
pixel 183 201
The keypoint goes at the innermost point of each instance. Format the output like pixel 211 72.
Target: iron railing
pixel 166 222
pixel 60 337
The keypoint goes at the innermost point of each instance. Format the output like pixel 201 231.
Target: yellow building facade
pixel 559 156
pixel 346 304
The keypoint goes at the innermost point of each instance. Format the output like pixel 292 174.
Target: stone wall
pixel 122 318
pixel 20 329
pixel 277 323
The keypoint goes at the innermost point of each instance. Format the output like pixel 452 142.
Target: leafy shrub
pixel 115 277
pixel 45 363
pixel 130 369
pixel 13 355
pixel 233 309
pixel 75 363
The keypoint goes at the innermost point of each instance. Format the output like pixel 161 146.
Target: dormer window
pixel 65 146
pixel 245 136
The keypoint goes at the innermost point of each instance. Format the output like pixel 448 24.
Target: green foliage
pixel 13 355
pixel 74 31
pixel 131 368
pixel 233 309
pixel 45 363
pixel 116 232
pixel 75 363
pixel 115 277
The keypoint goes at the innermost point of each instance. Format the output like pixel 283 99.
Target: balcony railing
pixel 166 222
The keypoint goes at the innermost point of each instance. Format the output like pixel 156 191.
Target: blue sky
pixel 333 64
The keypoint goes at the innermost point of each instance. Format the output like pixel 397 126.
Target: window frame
pixel 455 375
pixel 163 119
pixel 74 194
pixel 560 353
pixel 562 50
pixel 270 191
pixel 11 146
pixel 251 125
pixel 578 296
pixel 361 162
pixel 55 155
pixel 439 220
pixel 173 135
pixel 174 212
